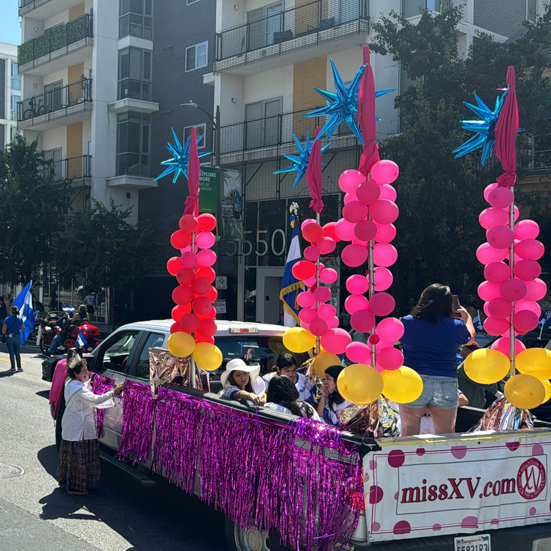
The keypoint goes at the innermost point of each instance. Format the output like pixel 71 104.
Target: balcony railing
pixel 314 18
pixel 271 131
pixel 74 168
pixel 55 39
pixel 59 99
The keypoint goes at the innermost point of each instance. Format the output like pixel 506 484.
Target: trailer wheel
pixel 249 539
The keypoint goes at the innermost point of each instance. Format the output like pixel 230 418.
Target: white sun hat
pixel 237 364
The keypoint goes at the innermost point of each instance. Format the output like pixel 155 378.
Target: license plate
pixel 478 542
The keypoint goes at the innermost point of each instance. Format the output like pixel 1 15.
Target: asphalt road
pixel 35 514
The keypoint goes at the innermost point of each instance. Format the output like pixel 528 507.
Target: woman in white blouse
pixel 79 460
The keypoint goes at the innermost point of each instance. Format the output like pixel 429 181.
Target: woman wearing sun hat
pixel 242 382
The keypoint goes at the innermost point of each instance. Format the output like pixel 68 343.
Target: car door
pixel 139 369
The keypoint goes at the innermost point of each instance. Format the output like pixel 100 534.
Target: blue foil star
pixel 180 158
pixel 343 105
pixel 300 161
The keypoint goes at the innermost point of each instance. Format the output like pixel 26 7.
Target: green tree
pixel 440 197
pixel 32 213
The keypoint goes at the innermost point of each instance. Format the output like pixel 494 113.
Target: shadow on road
pixel 7 373
pixel 43 394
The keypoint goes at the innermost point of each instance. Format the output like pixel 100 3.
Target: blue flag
pixel 24 302
pixel 291 286
pixel 477 322
pixel 69 310
pixel 81 341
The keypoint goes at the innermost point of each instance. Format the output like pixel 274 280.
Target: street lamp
pixel 216 125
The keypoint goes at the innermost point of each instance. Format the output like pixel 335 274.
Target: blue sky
pixel 10 31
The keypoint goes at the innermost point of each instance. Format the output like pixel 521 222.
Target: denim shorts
pixel 438 392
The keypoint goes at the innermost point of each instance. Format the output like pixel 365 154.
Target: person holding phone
pixel 433 332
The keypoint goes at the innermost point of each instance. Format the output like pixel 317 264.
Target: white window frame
pixel 196 46
pixel 203 127
pixel 189 2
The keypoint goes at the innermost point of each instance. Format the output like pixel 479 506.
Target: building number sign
pixel 265 244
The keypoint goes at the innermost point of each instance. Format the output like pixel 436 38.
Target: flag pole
pixel 318 338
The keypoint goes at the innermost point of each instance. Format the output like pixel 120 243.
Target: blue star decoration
pixel 300 161
pixel 179 161
pixel 343 105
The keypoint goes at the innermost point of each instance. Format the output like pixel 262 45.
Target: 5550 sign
pixel 274 244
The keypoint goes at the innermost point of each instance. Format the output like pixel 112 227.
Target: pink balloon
pixel 503 345
pixel 500 197
pixel 311 253
pixel 357 284
pixel 383 279
pixel 365 230
pixel 329 231
pixel 525 321
pixel 384 172
pixel 336 340
pixel 205 240
pixel 388 192
pixel 318 327
pixel 312 232
pixel 349 198
pixel 353 303
pixel 385 233
pixel 529 305
pixel 332 322
pixel 527 229
pixel 358 352
pixel 384 254
pixel 390 329
pixel 190 323
pixel 500 237
pixel 499 308
pixel 307 222
pixel 488 291
pixel 310 281
pixel 382 304
pixel 381 345
pixel 349 180
pixel 362 321
pixel 486 254
pixel 354 255
pixel 490 218
pixel 488 189
pixel 496 326
pixel 536 289
pixel 326 245
pixel 390 358
pixel 326 311
pixel 189 260
pixel 202 305
pixel 328 276
pixel 374 339
pixel 306 299
pixel 368 192
pixel 354 212
pixel 516 213
pixel 530 249
pixel 206 257
pixel 201 286
pixel 384 211
pixel 322 294
pixel 345 230
pixel 356 241
pixel 307 315
pixel 513 290
pixel 497 272
pixel 304 270
pixel 527 269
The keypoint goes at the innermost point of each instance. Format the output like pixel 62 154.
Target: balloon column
pixel 194 327
pixel 512 285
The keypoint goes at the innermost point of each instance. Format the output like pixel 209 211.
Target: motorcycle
pixel 50 330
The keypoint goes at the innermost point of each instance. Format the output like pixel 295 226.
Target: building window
pixel 2 134
pixel 133 144
pixel 134 74
pixel 411 8
pixel 197 56
pixel 53 156
pixel 15 77
pixel 201 131
pixel 135 18
pixel 532 10
pixel 14 101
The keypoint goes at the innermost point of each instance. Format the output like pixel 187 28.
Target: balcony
pixel 58 107
pixel 286 36
pixel 58 48
pixel 271 137
pixel 44 9
pixel 75 169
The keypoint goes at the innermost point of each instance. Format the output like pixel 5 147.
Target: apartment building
pixel 269 56
pixel 10 92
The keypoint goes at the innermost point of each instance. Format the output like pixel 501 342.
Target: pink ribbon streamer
pixel 313 174
pixel 193 173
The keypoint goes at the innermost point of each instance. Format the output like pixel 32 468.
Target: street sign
pixel 208 184
pixel 220 305
pixel 222 283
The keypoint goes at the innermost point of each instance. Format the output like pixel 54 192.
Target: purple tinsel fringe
pixel 301 481
pixel 101 385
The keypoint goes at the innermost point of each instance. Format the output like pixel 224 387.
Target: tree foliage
pixel 440 197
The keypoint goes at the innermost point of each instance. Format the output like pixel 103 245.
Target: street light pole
pixel 215 124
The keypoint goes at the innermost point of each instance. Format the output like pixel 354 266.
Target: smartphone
pixel 455 304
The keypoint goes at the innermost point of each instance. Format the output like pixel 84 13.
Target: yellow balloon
pixel 207 356
pixel 403 385
pixel 360 384
pixel 486 366
pixel 547 386
pixel 323 361
pixel 535 362
pixel 297 339
pixel 524 391
pixel 180 344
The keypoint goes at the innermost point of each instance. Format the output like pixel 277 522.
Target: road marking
pixel 4 360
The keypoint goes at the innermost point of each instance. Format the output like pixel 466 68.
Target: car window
pixel 142 368
pixel 118 350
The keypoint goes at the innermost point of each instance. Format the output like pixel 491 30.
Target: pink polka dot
pixel 436 528
pixel 375 494
pixel 537 449
pixel 375 527
pixel 494 521
pixel 513 446
pixel 469 522
pixel 396 458
pixel 373 464
pixel 459 452
pixel 402 527
pixel 420 451
pixel 532 511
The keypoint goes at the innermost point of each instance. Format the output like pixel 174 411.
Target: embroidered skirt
pixel 79 465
